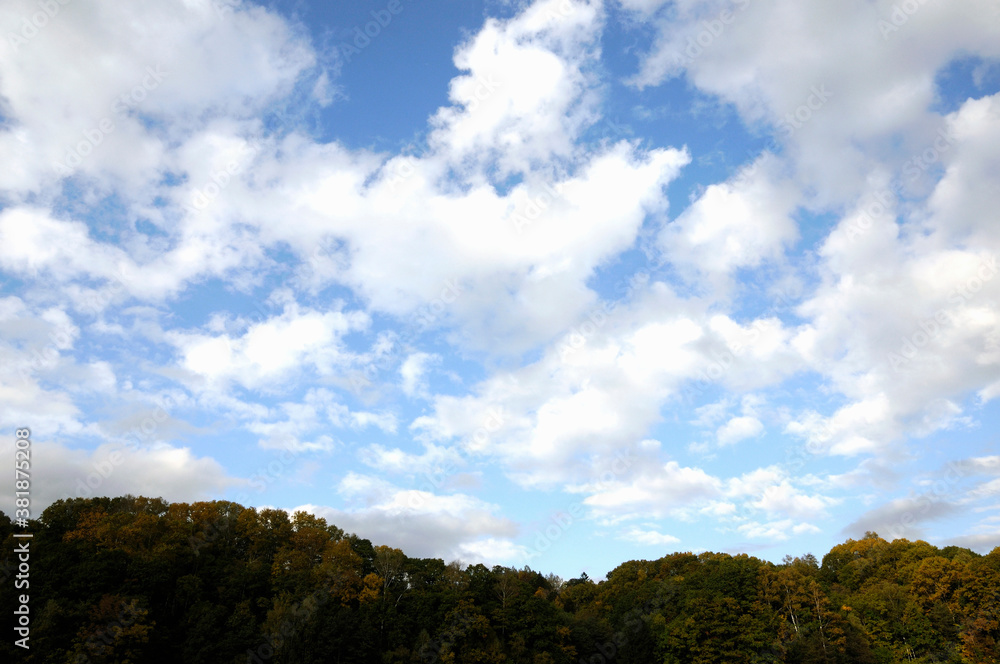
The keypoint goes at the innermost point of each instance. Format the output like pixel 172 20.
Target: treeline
pixel 140 580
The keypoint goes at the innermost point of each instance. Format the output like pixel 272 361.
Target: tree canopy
pixel 134 579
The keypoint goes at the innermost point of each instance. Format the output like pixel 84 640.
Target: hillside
pixel 141 580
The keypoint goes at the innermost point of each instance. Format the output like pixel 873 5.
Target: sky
pixel 560 283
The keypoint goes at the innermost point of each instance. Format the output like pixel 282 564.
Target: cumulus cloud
pixel 902 517
pixel 739 428
pixel 776 531
pixel 648 537
pixel 734 225
pixel 412 372
pixel 268 351
pixel 980 541
pixel 773 491
pixel 658 491
pixel 422 523
pixel 164 470
pixel 90 119
pixel 838 289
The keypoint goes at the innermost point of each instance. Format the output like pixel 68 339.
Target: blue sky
pixel 556 283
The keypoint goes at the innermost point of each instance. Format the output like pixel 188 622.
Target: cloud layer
pixel 211 288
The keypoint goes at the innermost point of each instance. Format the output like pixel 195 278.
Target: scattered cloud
pixel 534 272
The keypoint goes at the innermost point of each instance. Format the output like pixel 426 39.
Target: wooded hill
pixel 142 580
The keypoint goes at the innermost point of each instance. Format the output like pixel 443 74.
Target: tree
pixel 979 604
pixel 117 633
pixel 506 585
pixel 138 579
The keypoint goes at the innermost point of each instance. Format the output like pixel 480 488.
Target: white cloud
pixel 204 63
pixel 772 490
pixel 435 462
pixel 738 429
pixel 526 96
pixel 270 350
pixel 162 470
pixel 224 230
pixel 648 537
pixel 985 464
pixel 733 225
pixel 879 88
pixel 494 551
pixel 319 410
pixel 983 542
pixel 386 422
pixel 903 517
pixel 598 390
pixel 646 7
pixel 41 379
pixel 412 372
pixel 657 491
pixel 32 242
pixel 422 523
pixel 500 240
pixel 777 531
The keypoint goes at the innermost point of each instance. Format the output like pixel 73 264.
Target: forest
pixel 141 580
